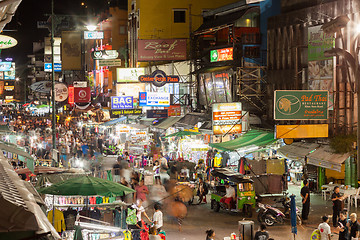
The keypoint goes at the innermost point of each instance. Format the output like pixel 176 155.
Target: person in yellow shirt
pixel 59 221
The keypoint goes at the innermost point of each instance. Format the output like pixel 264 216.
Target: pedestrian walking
pixel 305 195
pixel 157 218
pixel 343 226
pixel 337 199
pixel 324 228
pixel 354 227
pixel 262 234
pixel 210 234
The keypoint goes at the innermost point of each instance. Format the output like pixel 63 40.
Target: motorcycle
pixel 270 215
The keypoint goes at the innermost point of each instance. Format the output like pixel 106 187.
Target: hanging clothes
pixel 59 220
pixel 217 160
pixel 70 217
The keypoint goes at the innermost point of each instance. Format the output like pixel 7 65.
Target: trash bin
pixel 246 230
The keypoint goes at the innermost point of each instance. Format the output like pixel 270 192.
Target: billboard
pixel 159 78
pixel 224 54
pixel 71 50
pixel 302 131
pixel 227 118
pixel 122 102
pixel 93 35
pixel 300 105
pixel 161 50
pixel 130 89
pixel 154 99
pixel 82 95
pixel 129 74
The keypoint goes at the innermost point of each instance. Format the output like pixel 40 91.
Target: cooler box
pixel 246 230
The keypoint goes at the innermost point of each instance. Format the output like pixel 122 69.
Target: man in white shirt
pixel 229 197
pixel 324 228
pixel 157 218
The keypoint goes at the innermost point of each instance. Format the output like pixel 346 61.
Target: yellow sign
pixel 302 131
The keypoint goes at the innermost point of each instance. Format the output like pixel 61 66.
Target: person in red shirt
pixel 141 191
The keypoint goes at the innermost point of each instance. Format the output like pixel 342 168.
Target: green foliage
pixel 343 143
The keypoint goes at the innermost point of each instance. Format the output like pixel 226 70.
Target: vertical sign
pixel 71 50
pixel 227 118
pixel 71 95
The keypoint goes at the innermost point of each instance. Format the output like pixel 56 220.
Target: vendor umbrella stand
pixel 183 133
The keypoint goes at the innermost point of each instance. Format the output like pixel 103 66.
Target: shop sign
pixel 110 63
pixel 61 92
pixel 5 66
pixel 71 98
pixel 129 74
pixel 302 131
pixel 130 89
pixel 118 113
pixel 154 99
pixel 7 42
pixel 104 54
pixel 174 110
pixel 82 95
pixel 9 88
pixel 227 118
pixel 224 54
pixel 159 78
pixel 122 102
pixel 157 113
pixel 41 87
pixel 80 84
pixel 161 49
pixel 93 35
pixel 318 43
pixel 301 105
pixel 48 67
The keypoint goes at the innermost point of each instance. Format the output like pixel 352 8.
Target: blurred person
pixel 324 228
pixel 157 217
pixel 140 210
pixel 202 190
pixel 354 227
pixel 210 234
pixel 153 234
pixel 305 195
pixel 343 226
pixel 141 191
pixel 262 234
pixel 156 170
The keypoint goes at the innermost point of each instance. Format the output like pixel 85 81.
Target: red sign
pixel 82 95
pixel 219 55
pixel 174 110
pixel 71 95
pixel 161 49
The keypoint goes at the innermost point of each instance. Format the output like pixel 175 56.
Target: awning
pixel 325 157
pixel 223 21
pixel 259 138
pixel 297 150
pixel 168 122
pixel 191 119
pixel 213 68
pixel 114 121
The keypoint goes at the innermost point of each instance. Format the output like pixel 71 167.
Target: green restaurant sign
pixel 7 42
pixel 301 105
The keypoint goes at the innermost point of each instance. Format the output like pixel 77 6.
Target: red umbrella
pixel 39 169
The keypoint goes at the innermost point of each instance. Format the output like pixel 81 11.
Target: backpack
pixel 131 217
pixel 315 235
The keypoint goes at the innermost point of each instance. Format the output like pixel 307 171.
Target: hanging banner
pixel 71 50
pixel 71 98
pixel 301 105
pixel 227 118
pixel 161 49
pixel 318 43
pixel 82 95
pixel 159 78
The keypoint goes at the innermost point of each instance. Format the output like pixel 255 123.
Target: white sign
pixel 7 42
pixel 154 99
pixel 110 63
pixel 61 92
pixel 93 35
pixel 130 89
pixel 42 87
pixel 129 74
pixel 80 84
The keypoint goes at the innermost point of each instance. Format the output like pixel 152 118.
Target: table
pixel 349 192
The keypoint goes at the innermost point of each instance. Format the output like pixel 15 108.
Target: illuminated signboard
pixel 130 89
pixel 7 42
pixel 159 78
pixel 129 74
pixel 224 54
pixel 6 66
pixel 227 118
pixel 122 102
pixel 71 97
pixel 154 99
pixel 104 54
pixel 93 35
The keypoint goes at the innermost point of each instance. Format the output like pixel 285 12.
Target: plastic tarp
pixel 168 122
pixel 114 121
pixel 297 150
pixel 325 157
pixel 257 138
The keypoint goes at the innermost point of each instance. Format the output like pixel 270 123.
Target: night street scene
pixel 179 119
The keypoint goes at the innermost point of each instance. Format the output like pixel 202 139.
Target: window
pixel 180 16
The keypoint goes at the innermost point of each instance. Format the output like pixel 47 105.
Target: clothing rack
pixel 116 203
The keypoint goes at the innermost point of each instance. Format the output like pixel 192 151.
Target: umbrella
pixel 39 169
pixel 182 133
pixel 87 186
pixel 293 215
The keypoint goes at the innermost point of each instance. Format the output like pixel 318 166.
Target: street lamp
pixel 91 27
pixel 352 60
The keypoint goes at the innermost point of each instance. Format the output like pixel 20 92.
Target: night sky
pixel 23 25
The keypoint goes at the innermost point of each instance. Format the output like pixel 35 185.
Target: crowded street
pixel 179 120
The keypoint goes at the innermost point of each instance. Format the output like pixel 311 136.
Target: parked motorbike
pixel 270 215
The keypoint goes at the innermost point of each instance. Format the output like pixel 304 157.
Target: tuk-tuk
pixel 244 191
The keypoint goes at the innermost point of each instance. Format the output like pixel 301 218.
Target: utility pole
pixel 53 79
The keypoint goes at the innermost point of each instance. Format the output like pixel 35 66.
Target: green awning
pixel 258 138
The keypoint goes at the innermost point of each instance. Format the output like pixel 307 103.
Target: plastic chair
pixel 326 191
pixel 355 197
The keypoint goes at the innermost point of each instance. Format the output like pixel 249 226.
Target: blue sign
pixel 5 66
pixel 93 35
pixel 48 68
pixel 122 102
